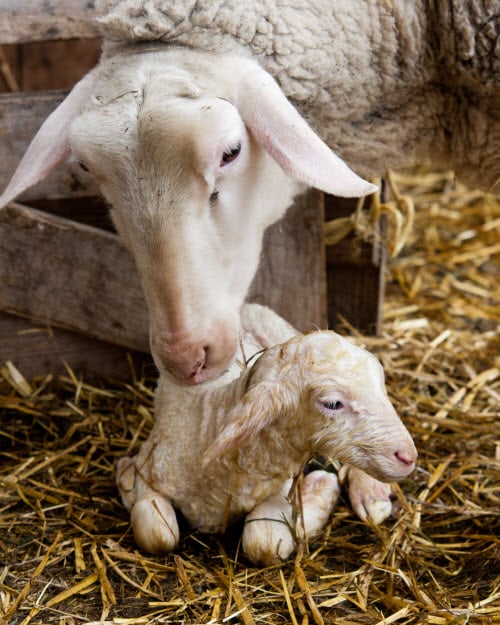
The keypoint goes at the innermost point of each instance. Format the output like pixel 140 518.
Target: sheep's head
pixel 330 397
pixel 189 208
pixel 196 154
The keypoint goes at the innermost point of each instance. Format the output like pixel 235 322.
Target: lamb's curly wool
pixel 382 82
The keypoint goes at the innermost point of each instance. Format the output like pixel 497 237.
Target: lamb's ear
pixel 50 145
pixel 255 411
pixel 285 134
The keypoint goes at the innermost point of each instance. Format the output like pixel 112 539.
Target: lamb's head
pixel 195 153
pixel 329 397
pixel 362 428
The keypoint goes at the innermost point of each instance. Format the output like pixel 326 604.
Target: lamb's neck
pixel 280 447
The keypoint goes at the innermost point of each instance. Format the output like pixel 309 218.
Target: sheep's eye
pixel 333 405
pixel 83 166
pixel 230 155
pixel 213 196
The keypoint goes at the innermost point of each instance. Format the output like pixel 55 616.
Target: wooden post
pixel 292 278
pixel 31 20
pixel 355 276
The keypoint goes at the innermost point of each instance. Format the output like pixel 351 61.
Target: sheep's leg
pixel 125 480
pixel 155 524
pixel 269 537
pixel 370 498
pixel 152 515
pixel 320 493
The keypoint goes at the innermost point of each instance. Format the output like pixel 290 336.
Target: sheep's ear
pixel 50 145
pixel 285 134
pixel 255 411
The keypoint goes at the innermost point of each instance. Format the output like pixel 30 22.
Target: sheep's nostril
pixel 200 364
pixel 206 350
pixel 405 458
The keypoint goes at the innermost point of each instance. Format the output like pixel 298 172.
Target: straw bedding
pixel 66 551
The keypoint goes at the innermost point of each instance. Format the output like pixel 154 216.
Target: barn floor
pixel 66 551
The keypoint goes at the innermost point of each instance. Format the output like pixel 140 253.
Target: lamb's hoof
pixel 267 542
pixel 155 524
pixel 320 493
pixel 125 480
pixel 267 537
pixel 370 498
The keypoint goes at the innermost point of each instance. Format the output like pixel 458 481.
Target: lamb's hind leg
pixel 152 515
pixel 269 536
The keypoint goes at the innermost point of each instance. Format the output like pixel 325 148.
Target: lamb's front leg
pixel 152 516
pixel 370 498
pixel 269 536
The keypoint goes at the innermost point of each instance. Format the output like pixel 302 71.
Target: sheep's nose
pixel 189 365
pixel 195 362
pixel 195 365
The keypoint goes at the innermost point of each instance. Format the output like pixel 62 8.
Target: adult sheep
pixel 198 150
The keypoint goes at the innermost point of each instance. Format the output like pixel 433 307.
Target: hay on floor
pixel 67 555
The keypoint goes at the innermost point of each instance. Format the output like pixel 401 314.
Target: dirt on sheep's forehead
pixel 66 551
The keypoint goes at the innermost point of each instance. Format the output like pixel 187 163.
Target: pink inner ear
pixel 281 130
pixel 50 145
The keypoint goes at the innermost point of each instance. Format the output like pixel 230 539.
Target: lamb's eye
pixel 333 405
pixel 83 166
pixel 230 155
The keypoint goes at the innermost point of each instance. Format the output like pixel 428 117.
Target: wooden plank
pixel 20 117
pixel 355 276
pixel 32 20
pixel 50 65
pixel 73 276
pixel 292 278
pixel 38 350
pixel 47 65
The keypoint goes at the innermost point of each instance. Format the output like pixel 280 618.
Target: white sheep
pixel 232 447
pixel 198 150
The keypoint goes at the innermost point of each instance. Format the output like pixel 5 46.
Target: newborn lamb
pixel 232 447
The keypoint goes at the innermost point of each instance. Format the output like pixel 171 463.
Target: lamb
pixel 198 149
pixel 232 447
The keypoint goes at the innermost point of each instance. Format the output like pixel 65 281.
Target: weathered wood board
pixel 48 65
pixel 33 20
pixel 292 277
pixel 355 276
pixel 72 276
pixel 21 115
pixel 39 350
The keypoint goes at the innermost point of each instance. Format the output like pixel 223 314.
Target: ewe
pixel 198 149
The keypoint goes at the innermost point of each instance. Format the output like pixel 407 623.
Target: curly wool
pixel 382 82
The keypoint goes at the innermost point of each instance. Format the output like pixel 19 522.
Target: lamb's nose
pixel 407 457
